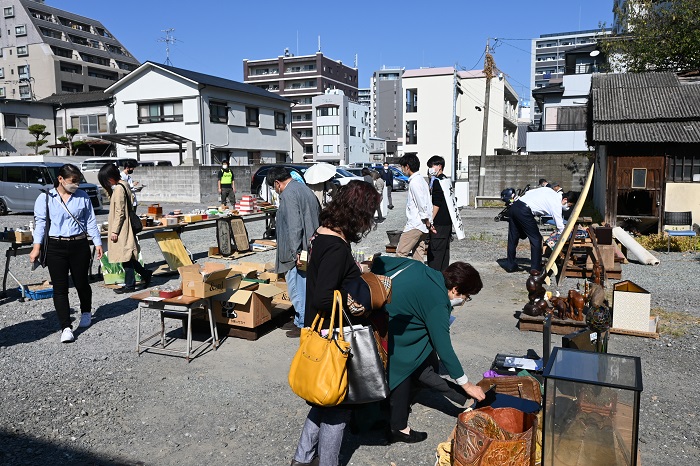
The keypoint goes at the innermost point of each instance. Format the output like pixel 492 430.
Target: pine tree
pixel 39 132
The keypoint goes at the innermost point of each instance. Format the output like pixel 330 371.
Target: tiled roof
pixel 645 107
pixel 69 98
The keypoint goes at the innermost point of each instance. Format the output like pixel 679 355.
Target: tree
pixel 39 132
pixel 657 36
pixel 68 139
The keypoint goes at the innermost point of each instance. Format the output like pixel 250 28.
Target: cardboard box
pixel 252 269
pixel 283 297
pixel 631 306
pixel 189 218
pixel 246 307
pixel 213 251
pixel 206 280
pixel 155 209
pixel 22 237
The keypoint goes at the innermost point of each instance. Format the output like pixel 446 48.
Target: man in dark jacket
pixel 296 221
pixel 388 177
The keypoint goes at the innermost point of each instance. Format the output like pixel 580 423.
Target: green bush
pixel 659 242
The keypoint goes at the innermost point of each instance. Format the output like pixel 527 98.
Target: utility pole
pixel 489 66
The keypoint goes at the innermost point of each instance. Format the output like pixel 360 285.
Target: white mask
pixel 225 167
pixel 432 171
pixel 70 187
pixel 456 302
pixel 565 207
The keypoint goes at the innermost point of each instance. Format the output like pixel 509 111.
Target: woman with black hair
pixel 419 333
pixel 347 219
pixel 124 247
pixel 72 220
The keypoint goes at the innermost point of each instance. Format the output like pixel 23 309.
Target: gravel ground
pixel 96 402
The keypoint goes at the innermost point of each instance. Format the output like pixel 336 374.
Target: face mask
pixel 565 207
pixel 432 171
pixel 225 167
pixel 70 187
pixel 456 302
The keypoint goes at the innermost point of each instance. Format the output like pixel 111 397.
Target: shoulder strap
pixel 65 207
pixel 128 199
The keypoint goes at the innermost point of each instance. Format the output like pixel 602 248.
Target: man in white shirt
pixel 127 171
pixel 522 223
pixel 419 211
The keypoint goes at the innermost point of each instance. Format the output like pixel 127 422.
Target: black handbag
pixel 366 375
pixel 44 248
pixel 134 220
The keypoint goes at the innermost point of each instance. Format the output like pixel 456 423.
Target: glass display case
pixel 591 408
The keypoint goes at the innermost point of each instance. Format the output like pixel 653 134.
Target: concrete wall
pixel 187 184
pixel 516 171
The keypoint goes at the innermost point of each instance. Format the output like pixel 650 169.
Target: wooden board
pixel 568 229
pixel 240 234
pixel 559 327
pixel 172 248
pixel 232 257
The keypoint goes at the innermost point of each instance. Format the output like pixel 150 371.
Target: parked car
pixel 343 176
pixel 155 163
pixel 22 182
pixel 400 179
pixel 256 180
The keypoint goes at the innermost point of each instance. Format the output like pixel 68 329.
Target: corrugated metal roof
pixel 645 107
pixel 654 132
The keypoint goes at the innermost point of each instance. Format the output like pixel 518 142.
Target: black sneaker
pixel 125 289
pixel 147 277
pixel 294 333
pixel 413 437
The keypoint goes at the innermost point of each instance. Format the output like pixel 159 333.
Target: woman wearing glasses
pixel 419 333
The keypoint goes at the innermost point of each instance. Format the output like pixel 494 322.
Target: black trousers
pixel 388 195
pixel 129 267
pixel 227 193
pixel 74 257
pixel 439 247
pixel 425 375
pixel 522 225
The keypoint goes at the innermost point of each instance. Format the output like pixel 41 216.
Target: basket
pixel 36 294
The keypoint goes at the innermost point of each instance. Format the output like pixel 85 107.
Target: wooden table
pixel 180 307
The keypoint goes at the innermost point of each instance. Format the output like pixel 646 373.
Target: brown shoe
pixel 294 333
pixel 289 325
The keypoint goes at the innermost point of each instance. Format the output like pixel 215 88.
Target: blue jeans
pixel 296 285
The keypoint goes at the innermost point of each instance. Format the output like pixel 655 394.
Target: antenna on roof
pixel 319 43
pixel 169 40
pixel 355 61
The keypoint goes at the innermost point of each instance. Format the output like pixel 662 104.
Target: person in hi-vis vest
pixel 226 184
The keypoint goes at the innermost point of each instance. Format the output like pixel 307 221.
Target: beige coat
pixel 126 247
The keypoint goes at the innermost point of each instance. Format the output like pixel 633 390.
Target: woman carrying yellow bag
pixel 347 219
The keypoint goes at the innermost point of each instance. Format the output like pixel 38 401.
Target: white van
pixel 95 163
pixel 22 182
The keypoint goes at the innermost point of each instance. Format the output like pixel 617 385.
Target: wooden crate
pixel 559 326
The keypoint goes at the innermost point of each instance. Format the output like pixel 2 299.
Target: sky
pixel 214 36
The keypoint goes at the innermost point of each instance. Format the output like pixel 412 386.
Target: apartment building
pixel 341 129
pixel 443 115
pixel 300 79
pixel 387 103
pixel 44 50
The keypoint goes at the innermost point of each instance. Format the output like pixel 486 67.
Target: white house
pixel 167 113
pixel 16 116
pixel 437 97
pixel 341 129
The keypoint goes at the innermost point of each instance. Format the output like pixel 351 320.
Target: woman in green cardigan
pixel 419 326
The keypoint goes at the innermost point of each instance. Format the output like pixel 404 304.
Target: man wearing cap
pixel 522 223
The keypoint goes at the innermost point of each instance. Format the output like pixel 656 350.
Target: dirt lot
pixel 96 402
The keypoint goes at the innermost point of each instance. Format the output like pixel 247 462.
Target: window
pixel 639 178
pixel 252 116
pixel 330 129
pixel 22 51
pixel 218 156
pixel 412 132
pixel 681 168
pixel 14 174
pixel 59 127
pixel 23 71
pixel 61 52
pixel 253 157
pixel 327 149
pixel 327 111
pixel 411 100
pixel 280 157
pixel 2 72
pixel 158 112
pixel 21 30
pixel 2 92
pixel 565 119
pixel 25 92
pixel 9 11
pixel 218 112
pixel 88 124
pixel 16 121
pixel 353 131
pixel 280 120
pixel 71 87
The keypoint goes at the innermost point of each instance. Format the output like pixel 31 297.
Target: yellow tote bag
pixel 318 373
